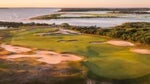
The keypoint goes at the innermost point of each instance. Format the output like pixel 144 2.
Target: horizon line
pixel 74 7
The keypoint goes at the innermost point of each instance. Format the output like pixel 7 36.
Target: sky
pixel 75 3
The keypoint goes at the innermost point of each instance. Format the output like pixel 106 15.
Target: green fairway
pixel 102 59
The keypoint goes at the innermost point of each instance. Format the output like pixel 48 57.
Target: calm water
pixel 22 15
pixel 19 14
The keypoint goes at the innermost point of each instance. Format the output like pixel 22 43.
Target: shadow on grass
pixel 32 72
pixel 100 79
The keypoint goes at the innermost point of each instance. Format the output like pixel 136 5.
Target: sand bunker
pixel 42 56
pixel 120 43
pixel 64 31
pixel 48 57
pixel 141 51
pixel 1 38
pixel 15 49
pixel 60 31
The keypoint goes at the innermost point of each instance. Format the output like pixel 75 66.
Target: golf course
pixel 102 58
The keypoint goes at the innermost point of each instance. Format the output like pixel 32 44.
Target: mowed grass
pixel 102 59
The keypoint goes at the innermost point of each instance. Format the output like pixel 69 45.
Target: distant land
pixel 103 9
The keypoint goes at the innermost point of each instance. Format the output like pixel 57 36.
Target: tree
pixel 65 25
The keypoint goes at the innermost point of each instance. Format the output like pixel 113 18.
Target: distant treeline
pixel 135 31
pixel 131 12
pixel 18 24
pixel 103 9
pixel 51 16
pixel 57 16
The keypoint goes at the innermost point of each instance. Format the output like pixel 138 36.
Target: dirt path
pixel 42 56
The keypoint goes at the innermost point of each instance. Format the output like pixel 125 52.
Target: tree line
pixel 18 24
pixel 134 31
pixel 102 9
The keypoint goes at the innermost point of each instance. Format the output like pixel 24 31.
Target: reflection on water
pixel 22 15
pixel 18 14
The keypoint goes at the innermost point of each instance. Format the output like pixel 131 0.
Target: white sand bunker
pixel 48 57
pixel 60 31
pixel 120 43
pixel 141 51
pixel 65 31
pixel 15 49
pixel 42 56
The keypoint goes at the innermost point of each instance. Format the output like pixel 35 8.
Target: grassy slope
pixel 29 71
pixel 102 59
